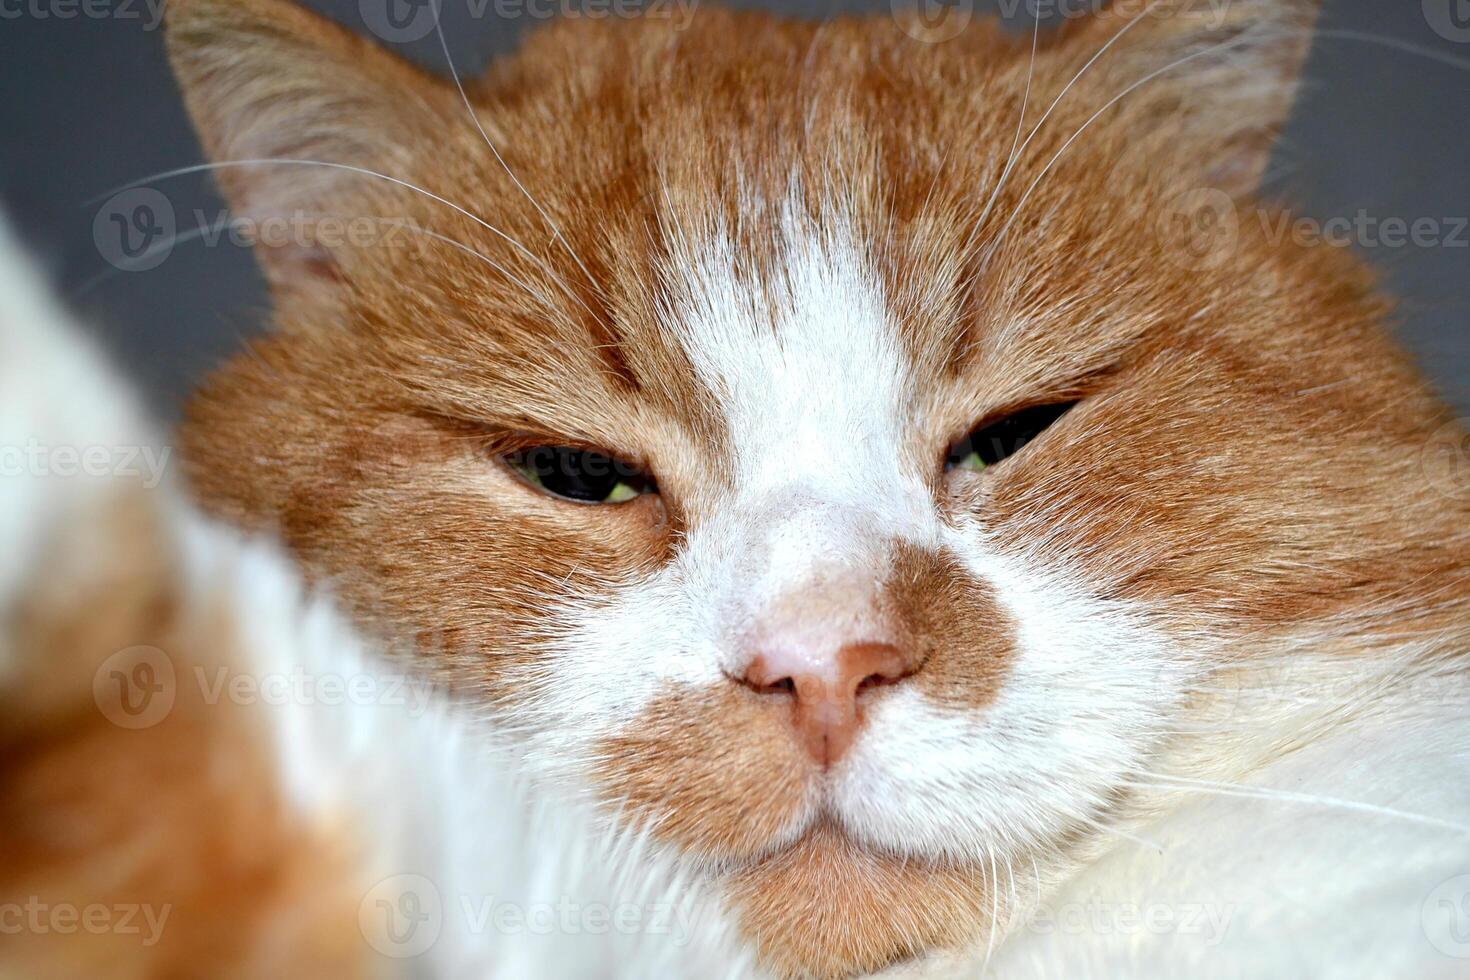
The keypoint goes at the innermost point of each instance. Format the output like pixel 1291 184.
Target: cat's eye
pixel 994 441
pixel 580 475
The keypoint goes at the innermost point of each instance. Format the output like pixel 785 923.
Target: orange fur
pixel 1261 391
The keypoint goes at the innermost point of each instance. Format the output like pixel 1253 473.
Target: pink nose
pixel 825 690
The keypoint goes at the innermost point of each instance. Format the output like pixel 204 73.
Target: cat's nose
pixel 824 687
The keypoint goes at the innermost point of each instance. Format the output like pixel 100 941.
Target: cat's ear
pixel 265 80
pixel 1223 74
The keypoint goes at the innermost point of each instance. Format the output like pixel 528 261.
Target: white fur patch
pixel 66 422
pixel 1089 694
pixel 816 392
pixel 1340 859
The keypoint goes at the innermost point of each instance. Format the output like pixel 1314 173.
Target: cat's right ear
pixel 265 80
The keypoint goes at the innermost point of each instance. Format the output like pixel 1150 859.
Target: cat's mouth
pixel 821 828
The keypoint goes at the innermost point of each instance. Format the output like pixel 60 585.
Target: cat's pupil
pixel 577 474
pixel 994 442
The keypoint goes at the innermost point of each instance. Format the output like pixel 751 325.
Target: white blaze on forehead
pixel 805 367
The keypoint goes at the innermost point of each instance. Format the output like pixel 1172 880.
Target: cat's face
pixel 766 267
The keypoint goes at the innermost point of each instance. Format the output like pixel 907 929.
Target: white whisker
pixel 1011 155
pixel 1123 835
pixel 203 230
pixel 1287 796
pixel 994 914
pixel 1212 49
pixel 1057 101
pixel 475 118
pixel 1394 43
pixel 362 171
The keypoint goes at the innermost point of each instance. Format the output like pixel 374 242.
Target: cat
pixel 878 463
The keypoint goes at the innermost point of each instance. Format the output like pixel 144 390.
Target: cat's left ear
pixel 1220 76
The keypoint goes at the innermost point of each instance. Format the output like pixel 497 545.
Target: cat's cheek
pixel 713 770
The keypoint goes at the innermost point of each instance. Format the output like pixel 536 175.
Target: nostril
pixel 762 680
pixel 880 679
pixel 875 665
pixel 826 688
pixel 783 686
pixel 854 668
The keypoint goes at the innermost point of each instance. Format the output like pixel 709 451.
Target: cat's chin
pixel 828 906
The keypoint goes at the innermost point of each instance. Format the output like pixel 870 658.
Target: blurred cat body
pixel 169 806
pixel 1198 640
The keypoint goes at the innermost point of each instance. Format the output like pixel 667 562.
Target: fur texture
pixel 784 276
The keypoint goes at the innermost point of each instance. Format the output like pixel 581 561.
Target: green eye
pixel 970 462
pixel 580 475
pixel 991 443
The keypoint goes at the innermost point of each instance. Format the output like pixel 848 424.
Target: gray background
pixel 89 104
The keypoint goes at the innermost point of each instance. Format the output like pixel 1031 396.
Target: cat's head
pixel 856 450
